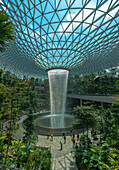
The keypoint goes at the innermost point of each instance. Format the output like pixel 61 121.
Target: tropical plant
pixel 105 156
pixel 29 122
pixel 88 158
pixel 113 160
pixel 6 30
pixel 84 118
pixel 30 157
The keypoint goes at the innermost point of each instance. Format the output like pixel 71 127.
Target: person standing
pixel 77 136
pixel 47 135
pixel 72 138
pixel 51 137
pixel 63 134
pixel 73 142
pixel 64 139
pixel 61 145
pixel 76 146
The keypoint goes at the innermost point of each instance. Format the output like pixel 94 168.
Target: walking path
pixel 61 159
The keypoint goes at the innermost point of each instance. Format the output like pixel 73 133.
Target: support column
pixel 80 102
pixel 102 104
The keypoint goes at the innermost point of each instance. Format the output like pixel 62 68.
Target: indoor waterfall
pixel 58 89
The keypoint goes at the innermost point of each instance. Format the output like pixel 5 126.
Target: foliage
pixel 29 122
pixel 29 157
pixel 106 154
pixel 92 84
pixel 84 117
pixel 6 30
pixel 88 158
pixel 17 96
pixel 113 159
pixel 97 157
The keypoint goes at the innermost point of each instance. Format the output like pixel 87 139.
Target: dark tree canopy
pixel 6 30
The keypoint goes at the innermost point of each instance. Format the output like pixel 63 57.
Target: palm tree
pixel 6 30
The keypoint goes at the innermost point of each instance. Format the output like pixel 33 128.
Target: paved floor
pixel 61 159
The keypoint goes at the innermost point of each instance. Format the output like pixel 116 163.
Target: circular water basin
pixel 45 121
pixel 43 124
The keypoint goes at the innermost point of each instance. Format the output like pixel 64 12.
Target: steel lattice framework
pixel 79 35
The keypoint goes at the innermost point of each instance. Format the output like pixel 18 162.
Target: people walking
pixel 63 134
pixel 77 136
pixel 61 145
pixel 73 142
pixel 64 139
pixel 76 146
pixel 47 135
pixel 51 137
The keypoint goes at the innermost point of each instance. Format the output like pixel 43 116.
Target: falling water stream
pixel 58 88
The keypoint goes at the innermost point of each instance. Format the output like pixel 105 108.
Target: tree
pixel 1 97
pixel 6 30
pixel 15 96
pixel 117 86
pixel 29 122
pixel 84 118
pixel 11 97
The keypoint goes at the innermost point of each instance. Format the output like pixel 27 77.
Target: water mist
pixel 58 90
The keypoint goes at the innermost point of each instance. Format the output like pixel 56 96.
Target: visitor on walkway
pixel 71 133
pixel 74 142
pixel 51 137
pixel 47 135
pixel 76 146
pixel 77 136
pixel 61 145
pixel 64 139
pixel 63 134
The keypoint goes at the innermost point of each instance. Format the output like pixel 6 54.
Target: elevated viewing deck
pixel 98 98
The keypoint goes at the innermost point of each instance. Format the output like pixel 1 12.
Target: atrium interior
pixel 59 84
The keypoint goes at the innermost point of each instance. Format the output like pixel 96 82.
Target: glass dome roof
pixel 79 35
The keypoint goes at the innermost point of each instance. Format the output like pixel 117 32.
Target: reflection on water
pixel 45 120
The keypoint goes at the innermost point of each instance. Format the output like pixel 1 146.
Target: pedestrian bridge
pixel 97 98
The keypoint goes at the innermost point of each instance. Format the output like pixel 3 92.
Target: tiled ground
pixel 61 159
